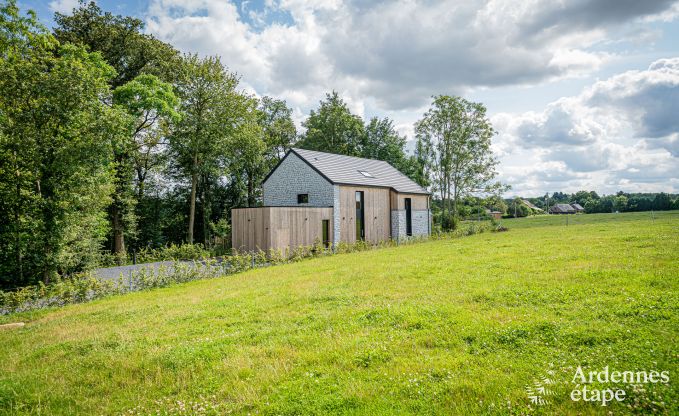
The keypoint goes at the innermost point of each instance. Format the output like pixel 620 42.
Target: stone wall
pixel 294 176
pixel 421 223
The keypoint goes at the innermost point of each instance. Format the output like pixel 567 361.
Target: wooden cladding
pixel 278 227
pixel 289 227
pixel 377 214
pixel 419 202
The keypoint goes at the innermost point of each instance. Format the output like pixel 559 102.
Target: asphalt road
pixel 110 273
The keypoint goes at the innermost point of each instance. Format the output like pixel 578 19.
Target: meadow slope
pixel 443 327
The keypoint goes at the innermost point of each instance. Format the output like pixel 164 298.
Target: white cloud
pixel 389 58
pixel 396 53
pixel 63 6
pixel 620 133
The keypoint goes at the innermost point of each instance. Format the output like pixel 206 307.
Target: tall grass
pixel 84 287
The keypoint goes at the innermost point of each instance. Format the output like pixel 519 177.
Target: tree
pixel 518 209
pixel 56 135
pixel 620 203
pixel 581 197
pixel 662 202
pixel 152 104
pixel 381 141
pixel 247 151
pixel 136 56
pixel 121 42
pixel 332 128
pixel 457 136
pixel 279 130
pixel 212 111
pixel 418 167
pixel 496 203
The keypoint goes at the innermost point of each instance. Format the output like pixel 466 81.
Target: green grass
pixel 443 327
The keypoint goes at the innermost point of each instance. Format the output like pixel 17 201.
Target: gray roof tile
pixel 341 169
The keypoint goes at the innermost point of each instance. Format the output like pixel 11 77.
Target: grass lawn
pixel 443 327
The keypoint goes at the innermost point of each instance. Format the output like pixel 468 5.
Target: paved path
pixel 110 273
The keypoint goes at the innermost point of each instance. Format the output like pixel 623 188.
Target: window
pixel 409 216
pixel 366 174
pixel 360 216
pixel 302 198
pixel 326 233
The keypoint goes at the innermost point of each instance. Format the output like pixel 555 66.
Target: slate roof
pixel 562 208
pixel 346 170
pixel 530 204
pixel 578 207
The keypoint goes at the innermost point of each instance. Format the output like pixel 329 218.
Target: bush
pixel 83 287
pixel 150 255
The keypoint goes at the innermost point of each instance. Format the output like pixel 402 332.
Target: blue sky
pixel 583 94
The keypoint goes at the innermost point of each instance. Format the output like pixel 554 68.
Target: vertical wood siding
pixel 267 228
pixel 419 202
pixel 377 213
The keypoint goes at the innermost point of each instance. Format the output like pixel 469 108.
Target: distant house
pixel 531 205
pixel 578 208
pixel 328 198
pixel 561 209
pixel 494 214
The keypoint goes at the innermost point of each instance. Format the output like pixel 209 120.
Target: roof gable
pixel 350 170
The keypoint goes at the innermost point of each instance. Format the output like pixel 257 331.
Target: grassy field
pixel 443 327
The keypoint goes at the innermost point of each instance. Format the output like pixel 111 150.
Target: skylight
pixel 366 174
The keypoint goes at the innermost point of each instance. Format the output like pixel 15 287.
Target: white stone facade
pixel 292 177
pixel 421 223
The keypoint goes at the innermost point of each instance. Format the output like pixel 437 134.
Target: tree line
pixel 112 141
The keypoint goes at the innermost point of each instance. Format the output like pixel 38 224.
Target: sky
pixel 582 94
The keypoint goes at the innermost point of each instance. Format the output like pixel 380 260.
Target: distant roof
pixel 530 204
pixel 577 206
pixel 350 170
pixel 562 208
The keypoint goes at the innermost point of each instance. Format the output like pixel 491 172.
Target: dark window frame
pixel 325 230
pixel 302 198
pixel 408 202
pixel 360 215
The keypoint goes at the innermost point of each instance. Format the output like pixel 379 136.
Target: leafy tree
pixel 662 202
pixel 212 112
pixel 518 209
pixel 381 141
pixel 639 203
pixel 560 198
pixel 332 128
pixel 135 56
pixel 457 135
pixel 120 40
pixel 152 104
pixel 620 203
pixel 278 128
pixel 581 197
pixel 56 135
pixel 496 203
pixel 246 152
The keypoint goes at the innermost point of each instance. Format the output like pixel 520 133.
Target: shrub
pixel 83 287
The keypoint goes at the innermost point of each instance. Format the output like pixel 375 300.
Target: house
pixel 531 205
pixel 578 208
pixel 497 215
pixel 494 214
pixel 561 209
pixel 314 196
